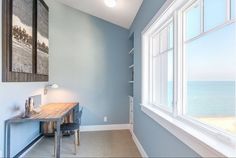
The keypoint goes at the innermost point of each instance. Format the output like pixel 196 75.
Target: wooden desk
pixel 50 112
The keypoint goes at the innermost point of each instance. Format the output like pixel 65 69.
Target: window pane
pixel 170 86
pixel 211 79
pixel 167 80
pixel 156 45
pixel 170 36
pixel 233 10
pixel 193 22
pixel 156 80
pixel 162 68
pixel 214 13
pixel 164 39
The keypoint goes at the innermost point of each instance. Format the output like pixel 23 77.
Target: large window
pixel 189 70
pixel 209 65
pixel 161 64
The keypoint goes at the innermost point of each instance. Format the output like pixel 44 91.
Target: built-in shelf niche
pixel 131 66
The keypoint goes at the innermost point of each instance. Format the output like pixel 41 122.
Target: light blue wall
pixel 11 95
pixel 156 141
pixel 89 60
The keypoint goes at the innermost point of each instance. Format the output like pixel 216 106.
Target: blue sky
pixel 213 56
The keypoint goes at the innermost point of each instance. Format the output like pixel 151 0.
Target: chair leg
pixel 55 142
pixel 61 138
pixel 76 140
pixel 78 135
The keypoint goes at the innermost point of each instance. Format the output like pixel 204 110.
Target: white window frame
pixel 158 32
pixel 205 140
pixel 229 13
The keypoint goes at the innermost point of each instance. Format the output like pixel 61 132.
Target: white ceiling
pixel 123 14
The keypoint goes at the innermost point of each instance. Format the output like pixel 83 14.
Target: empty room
pixel 118 78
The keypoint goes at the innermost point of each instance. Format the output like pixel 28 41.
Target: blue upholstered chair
pixel 74 127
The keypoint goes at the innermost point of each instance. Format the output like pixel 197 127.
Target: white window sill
pixel 204 144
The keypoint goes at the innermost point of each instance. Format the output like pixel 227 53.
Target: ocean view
pixel 211 98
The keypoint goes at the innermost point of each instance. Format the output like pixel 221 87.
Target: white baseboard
pixel 139 146
pixel 23 155
pixel 105 127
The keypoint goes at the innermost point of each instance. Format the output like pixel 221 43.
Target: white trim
pixel 200 142
pixel 131 111
pixel 23 155
pixel 105 127
pixel 139 146
pixel 161 11
pixel 211 30
pixel 168 10
pixel 228 10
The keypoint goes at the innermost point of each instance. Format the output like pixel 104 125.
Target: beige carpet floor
pixel 93 144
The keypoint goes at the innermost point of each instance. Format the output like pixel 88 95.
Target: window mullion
pixel 202 16
pixel 175 65
pixel 159 68
pixel 179 62
pixel 151 72
pixel 228 10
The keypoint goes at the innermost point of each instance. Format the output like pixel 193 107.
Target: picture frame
pixel 21 41
pixel 42 38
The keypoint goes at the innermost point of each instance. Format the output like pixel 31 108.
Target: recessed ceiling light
pixel 110 3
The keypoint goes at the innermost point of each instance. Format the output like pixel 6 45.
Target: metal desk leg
pixel 58 136
pixel 7 140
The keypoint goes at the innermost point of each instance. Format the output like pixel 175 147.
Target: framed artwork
pixel 42 38
pixel 25 41
pixel 22 33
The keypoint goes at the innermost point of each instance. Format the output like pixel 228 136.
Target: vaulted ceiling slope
pixel 122 14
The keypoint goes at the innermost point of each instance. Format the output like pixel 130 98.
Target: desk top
pixel 49 112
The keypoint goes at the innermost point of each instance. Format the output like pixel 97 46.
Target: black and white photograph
pixel 22 40
pixel 42 38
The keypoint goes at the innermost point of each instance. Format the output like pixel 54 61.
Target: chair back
pixel 78 114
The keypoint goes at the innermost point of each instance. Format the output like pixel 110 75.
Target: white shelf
pixel 131 81
pixel 131 66
pixel 131 51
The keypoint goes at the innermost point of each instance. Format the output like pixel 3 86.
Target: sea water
pixel 211 98
pixel 208 98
